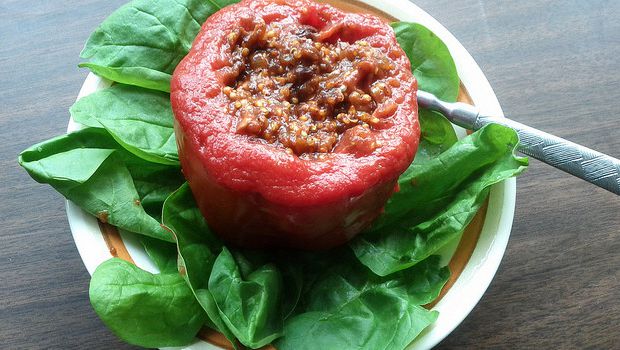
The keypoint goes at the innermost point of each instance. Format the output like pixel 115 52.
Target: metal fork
pixel 587 164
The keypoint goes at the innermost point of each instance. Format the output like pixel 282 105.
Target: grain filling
pixel 303 90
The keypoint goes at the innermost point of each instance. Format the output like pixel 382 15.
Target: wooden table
pixel 554 65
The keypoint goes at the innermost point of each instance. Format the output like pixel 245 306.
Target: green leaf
pixel 438 199
pixel 197 248
pixel 153 143
pixel 431 62
pixel 89 168
pixel 197 245
pixel 437 135
pixel 154 183
pixel 139 76
pixel 242 294
pixel 249 302
pixel 140 120
pixel 143 41
pixel 348 307
pixel 72 167
pixel 292 285
pixel 425 189
pixel 163 254
pixel 145 309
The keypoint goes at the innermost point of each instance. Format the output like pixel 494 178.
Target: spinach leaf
pixel 434 68
pixel 145 309
pixel 153 182
pixel 292 286
pixel 163 254
pixel 348 307
pixel 89 168
pixel 140 120
pixel 439 199
pixel 197 248
pixel 143 41
pixel 248 298
pixel 240 292
pixel 437 135
pixel 431 62
pixel 426 188
pixel 435 71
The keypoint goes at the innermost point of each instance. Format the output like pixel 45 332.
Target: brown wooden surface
pixel 554 65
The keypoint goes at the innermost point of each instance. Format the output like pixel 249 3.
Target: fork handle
pixel 585 163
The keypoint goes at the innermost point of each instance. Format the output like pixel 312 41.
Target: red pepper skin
pixel 254 194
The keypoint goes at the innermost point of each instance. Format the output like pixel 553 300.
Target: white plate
pixel 486 257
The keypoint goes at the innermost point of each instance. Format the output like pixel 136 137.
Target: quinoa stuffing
pixel 296 89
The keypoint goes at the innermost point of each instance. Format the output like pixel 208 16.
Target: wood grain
pixel 553 65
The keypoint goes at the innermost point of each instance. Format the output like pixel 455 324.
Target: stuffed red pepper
pixel 293 121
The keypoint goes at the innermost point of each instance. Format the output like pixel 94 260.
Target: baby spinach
pixel 242 292
pixel 197 248
pixel 436 136
pixel 248 298
pixel 437 200
pixel 89 168
pixel 163 254
pixel 424 188
pixel 434 69
pixel 145 309
pixel 348 307
pixel 431 62
pixel 143 41
pixel 154 183
pixel 140 120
